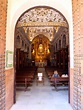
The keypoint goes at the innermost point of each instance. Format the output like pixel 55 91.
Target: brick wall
pixel 78 54
pixel 9 88
pixel 71 86
pixel 3 10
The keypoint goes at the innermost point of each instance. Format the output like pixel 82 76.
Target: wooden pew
pixel 24 81
pixel 25 77
pixel 21 81
pixel 60 81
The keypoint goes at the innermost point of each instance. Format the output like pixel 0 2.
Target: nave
pixel 41 97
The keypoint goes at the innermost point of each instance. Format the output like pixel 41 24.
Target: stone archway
pixel 31 27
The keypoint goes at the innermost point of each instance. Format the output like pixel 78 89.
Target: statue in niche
pixel 40 49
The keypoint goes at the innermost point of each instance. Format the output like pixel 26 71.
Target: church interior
pixel 41 54
pixel 42 38
pixel 41 46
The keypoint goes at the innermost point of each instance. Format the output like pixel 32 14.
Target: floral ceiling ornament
pixel 47 31
pixel 41 20
pixel 41 15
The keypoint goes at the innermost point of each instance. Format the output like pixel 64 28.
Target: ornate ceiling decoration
pixel 46 31
pixel 42 17
pixel 41 20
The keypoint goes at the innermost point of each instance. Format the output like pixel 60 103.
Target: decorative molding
pixel 41 20
pixel 40 24
pixel 46 31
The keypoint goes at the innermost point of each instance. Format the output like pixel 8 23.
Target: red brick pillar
pixel 3 6
pixel 78 54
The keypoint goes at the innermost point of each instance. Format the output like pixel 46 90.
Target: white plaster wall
pixel 17 7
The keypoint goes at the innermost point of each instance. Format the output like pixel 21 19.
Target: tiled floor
pixel 42 97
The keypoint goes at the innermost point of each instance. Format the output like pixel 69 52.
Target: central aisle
pixel 42 97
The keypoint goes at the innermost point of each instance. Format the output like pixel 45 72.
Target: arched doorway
pixel 36 22
pixel 65 7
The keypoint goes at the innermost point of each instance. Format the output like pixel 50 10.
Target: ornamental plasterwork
pixel 41 17
pixel 46 31
pixel 44 21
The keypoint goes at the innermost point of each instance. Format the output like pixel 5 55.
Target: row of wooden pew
pixel 57 81
pixel 50 71
pixel 25 77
